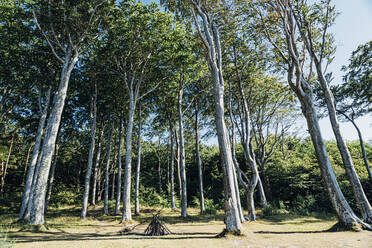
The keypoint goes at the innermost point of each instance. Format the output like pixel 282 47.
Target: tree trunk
pixel 37 211
pixel 178 164
pixel 182 153
pixel 138 169
pixel 199 159
pixel 265 183
pixel 6 165
pixel 250 205
pixel 171 133
pixel 345 214
pixel 214 57
pixel 26 164
pixel 51 179
pixel 362 201
pixel 261 192
pixel 88 173
pixel 127 214
pixel 363 150
pixel 34 157
pixel 159 168
pixel 99 183
pixel 96 167
pixel 233 154
pixel 106 194
pixel 118 185
pixel 113 186
pixel 113 177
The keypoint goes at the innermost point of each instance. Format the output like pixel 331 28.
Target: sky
pixel 353 27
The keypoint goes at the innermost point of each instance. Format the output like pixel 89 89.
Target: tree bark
pixel 138 169
pixel 37 211
pixel 106 194
pixel 88 173
pixel 51 178
pixel 26 164
pixel 362 201
pixel 182 152
pixel 118 185
pixel 178 164
pixel 214 58
pixel 96 176
pixel 199 159
pixel 113 177
pixel 6 165
pixel 127 214
pixel 34 157
pixel 171 133
pixel 345 214
pixel 361 146
pixel 159 167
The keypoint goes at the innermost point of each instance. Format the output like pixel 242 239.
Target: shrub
pixel 270 210
pixel 65 196
pixel 149 197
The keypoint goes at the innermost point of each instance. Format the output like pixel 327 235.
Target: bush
pixel 304 205
pixel 149 197
pixel 210 207
pixel 270 210
pixel 65 196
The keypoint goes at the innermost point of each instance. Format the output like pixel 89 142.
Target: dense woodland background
pixel 141 76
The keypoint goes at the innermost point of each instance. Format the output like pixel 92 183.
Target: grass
pixel 65 229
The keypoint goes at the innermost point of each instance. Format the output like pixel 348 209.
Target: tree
pixel 208 13
pixel 138 39
pixel 353 98
pixel 54 20
pixel 313 21
pixel 93 129
pixel 284 38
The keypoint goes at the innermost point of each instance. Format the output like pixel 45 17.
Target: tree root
pixel 34 228
pixel 354 227
pixel 227 233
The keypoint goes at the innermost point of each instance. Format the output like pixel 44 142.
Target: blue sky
pixel 353 27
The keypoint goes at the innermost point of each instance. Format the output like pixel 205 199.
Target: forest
pixel 115 113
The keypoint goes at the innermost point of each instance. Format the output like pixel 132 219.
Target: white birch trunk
pixel 199 159
pixel 171 133
pixel 96 176
pixel 138 169
pixel 106 193
pixel 213 44
pixel 182 154
pixel 127 214
pixel 88 173
pixel 6 165
pixel 34 157
pixel 37 211
pixel 345 214
pixel 118 185
pixel 362 201
pixel 113 177
pixel 26 164
pixel 51 179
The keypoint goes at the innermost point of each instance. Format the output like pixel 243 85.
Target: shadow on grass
pixel 294 219
pixel 56 236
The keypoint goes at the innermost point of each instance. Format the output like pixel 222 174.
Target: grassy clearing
pixel 65 229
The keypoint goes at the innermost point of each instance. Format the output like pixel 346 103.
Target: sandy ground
pixel 196 232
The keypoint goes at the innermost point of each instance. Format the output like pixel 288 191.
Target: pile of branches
pixel 156 227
